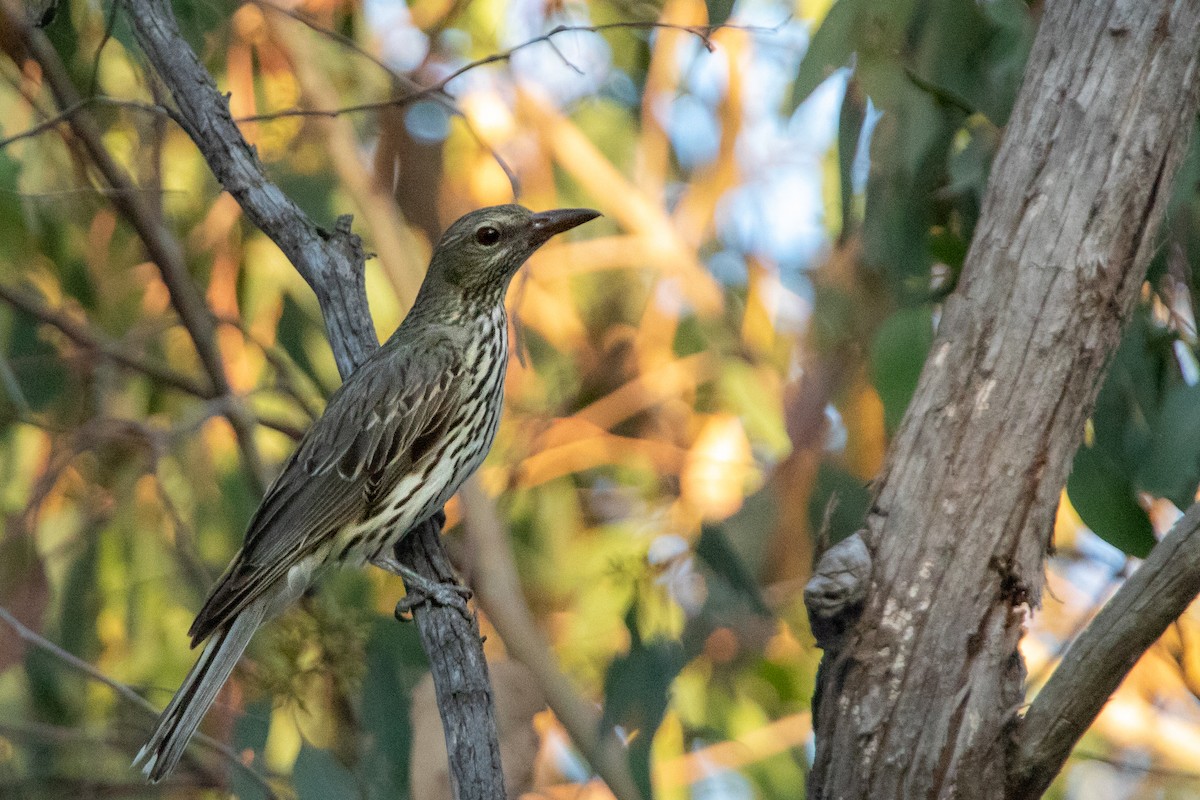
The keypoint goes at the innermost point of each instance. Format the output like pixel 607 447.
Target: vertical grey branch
pixel 464 694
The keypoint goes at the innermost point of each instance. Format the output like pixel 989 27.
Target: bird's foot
pixel 421 591
pixel 442 594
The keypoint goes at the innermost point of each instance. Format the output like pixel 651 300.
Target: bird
pixel 394 443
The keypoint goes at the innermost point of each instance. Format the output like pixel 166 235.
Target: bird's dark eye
pixel 487 236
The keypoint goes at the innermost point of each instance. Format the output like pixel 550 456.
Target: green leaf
pixel 294 324
pixel 39 371
pixel 1171 468
pixel 1128 406
pixel 13 235
pixel 81 600
pixel 719 11
pixel 395 663
pixel 853 501
pixel 897 357
pixel 747 532
pixel 203 21
pixel 851 117
pixel 318 776
pixel 713 550
pixel 250 733
pixel 1104 499
pixel 637 691
pixel 828 50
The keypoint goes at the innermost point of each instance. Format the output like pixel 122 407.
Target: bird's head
pixel 480 253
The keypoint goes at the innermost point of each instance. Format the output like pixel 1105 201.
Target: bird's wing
pixel 368 428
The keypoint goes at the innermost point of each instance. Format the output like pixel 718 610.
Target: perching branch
pixel 460 672
pixel 332 263
pixel 1096 662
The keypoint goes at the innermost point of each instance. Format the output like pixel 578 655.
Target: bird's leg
pixel 418 588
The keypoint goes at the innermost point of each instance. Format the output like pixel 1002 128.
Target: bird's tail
pixel 181 718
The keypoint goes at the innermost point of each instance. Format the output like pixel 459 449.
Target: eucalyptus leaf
pixel 317 775
pixel 1171 468
pixel 1104 499
pixel 637 691
pixel 897 358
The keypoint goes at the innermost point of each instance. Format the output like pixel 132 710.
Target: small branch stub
pixel 835 594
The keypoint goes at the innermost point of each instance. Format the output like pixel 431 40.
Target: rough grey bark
pixel 920 699
pixel 332 264
pixel 464 693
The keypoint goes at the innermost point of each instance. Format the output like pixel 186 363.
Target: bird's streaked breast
pixel 438 474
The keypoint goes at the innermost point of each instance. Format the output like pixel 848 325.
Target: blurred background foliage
pixel 706 383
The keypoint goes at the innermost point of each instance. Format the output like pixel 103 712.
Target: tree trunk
pixel 920 697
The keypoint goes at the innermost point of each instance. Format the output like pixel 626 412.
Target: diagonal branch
pixel 92 342
pixel 1096 662
pixel 70 111
pixel 331 262
pixel 502 599
pixel 439 92
pixel 32 637
pixel 96 343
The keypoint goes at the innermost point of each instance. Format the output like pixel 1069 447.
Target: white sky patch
pixel 401 45
pixel 573 65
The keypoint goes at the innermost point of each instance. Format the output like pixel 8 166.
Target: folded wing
pixel 339 467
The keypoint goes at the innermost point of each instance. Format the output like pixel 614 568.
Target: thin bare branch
pixel 411 88
pixel 439 90
pixel 343 40
pixel 126 693
pixel 94 342
pixel 1144 769
pixel 67 113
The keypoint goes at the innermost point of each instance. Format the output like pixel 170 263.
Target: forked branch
pixel 1096 662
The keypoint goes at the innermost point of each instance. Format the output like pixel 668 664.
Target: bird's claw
pixel 421 592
